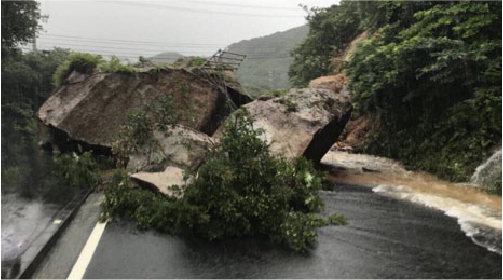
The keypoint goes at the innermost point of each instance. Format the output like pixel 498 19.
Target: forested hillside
pixel 431 71
pixel 268 59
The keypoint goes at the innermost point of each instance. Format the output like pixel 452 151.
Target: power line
pixel 118 48
pixel 156 51
pixel 112 52
pixel 211 3
pixel 64 40
pixel 63 37
pixel 195 10
pixel 79 38
pixel 252 55
pixel 137 43
pixel 145 51
pixel 135 56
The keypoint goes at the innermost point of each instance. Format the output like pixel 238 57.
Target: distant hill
pixel 268 59
pixel 167 57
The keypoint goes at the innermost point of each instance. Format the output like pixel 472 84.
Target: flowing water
pixel 477 213
pixel 386 237
pixel 401 225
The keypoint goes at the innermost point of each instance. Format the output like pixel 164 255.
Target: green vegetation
pixel 26 84
pixel 431 70
pixel 86 63
pixel 239 190
pixel 495 186
pixel 138 131
pixel 335 219
pixel 114 65
pixel 19 24
pixel 81 62
pixel 268 59
pixel 77 170
pixel 330 31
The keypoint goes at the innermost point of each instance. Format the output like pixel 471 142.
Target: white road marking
pixel 80 266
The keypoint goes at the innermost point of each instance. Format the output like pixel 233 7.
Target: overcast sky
pixel 190 27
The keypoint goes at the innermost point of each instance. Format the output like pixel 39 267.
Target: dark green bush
pixel 436 83
pixel 77 170
pixel 80 62
pixel 239 190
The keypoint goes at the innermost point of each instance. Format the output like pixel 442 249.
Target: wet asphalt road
pixel 61 258
pixel 385 238
pixel 33 203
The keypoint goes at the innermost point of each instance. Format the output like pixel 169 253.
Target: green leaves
pixel 77 170
pixel 138 131
pixel 115 66
pixel 81 62
pixel 239 190
pixel 19 23
pixel 330 31
pixel 426 79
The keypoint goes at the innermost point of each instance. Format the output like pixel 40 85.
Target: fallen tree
pixel 240 189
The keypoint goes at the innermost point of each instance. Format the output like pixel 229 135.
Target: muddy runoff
pixel 478 214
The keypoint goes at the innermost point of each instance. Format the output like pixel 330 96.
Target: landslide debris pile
pixel 248 179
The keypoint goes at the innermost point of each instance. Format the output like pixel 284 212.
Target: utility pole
pixel 34 43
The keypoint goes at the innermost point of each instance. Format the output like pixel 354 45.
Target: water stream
pixel 386 237
pixel 477 213
pixel 390 234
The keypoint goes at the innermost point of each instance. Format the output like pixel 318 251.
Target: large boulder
pixel 161 162
pixel 180 146
pixel 92 107
pixel 488 174
pixel 89 110
pixel 305 122
pixel 161 181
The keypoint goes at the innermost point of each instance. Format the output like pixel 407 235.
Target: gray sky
pixel 190 27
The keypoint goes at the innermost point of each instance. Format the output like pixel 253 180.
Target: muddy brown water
pixel 478 213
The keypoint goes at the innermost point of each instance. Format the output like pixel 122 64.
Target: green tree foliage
pixel 114 65
pixel 19 23
pixel 77 170
pixel 437 85
pixel 431 70
pixel 239 190
pixel 139 129
pixel 29 76
pixel 330 31
pixel 26 84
